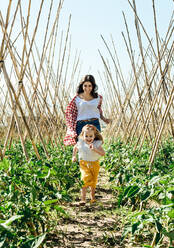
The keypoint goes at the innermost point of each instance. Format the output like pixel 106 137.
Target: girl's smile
pixel 88 136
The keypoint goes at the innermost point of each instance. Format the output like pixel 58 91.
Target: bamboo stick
pixel 134 70
pixel 34 120
pixel 14 109
pixel 10 128
pixel 153 104
pixel 11 26
pixel 160 66
pixel 45 46
pixel 17 101
pixel 154 73
pixel 144 65
pixel 157 139
pixel 110 76
pixel 33 37
pixel 22 114
pixel 31 111
pixel 24 38
pixel 5 30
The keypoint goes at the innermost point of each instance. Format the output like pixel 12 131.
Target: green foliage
pixel 32 191
pixel 151 197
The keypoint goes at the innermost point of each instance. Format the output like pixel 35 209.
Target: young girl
pixel 89 148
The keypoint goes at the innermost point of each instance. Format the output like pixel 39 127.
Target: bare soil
pixel 99 225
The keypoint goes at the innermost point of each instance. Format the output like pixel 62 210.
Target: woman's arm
pixel 107 121
pixel 71 115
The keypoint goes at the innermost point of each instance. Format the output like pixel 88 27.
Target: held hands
pixel 72 133
pixel 74 159
pixel 74 154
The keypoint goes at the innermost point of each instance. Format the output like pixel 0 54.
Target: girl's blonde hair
pixel 90 127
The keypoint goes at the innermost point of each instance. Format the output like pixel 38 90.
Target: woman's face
pixel 87 87
pixel 88 136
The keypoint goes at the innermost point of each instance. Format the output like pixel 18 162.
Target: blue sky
pixel 92 18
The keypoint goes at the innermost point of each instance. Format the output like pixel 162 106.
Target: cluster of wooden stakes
pixel 37 80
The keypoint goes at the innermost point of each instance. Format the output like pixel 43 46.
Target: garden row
pixel 150 197
pixel 32 193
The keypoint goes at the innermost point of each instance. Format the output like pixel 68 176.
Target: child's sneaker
pixel 92 201
pixel 82 203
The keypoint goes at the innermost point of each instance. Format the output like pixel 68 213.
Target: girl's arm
pixel 98 150
pixel 75 150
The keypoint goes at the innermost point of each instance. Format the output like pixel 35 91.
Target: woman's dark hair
pixel 91 79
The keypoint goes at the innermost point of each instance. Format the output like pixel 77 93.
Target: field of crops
pixel 33 193
pixel 39 184
pixel 150 197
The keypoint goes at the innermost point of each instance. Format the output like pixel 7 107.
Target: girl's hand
pixel 74 159
pixel 98 150
pixel 91 146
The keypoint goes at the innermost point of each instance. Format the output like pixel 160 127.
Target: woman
pixel 84 108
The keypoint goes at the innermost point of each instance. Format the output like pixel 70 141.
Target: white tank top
pixel 87 109
pixel 85 153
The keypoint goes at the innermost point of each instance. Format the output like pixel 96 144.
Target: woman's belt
pixel 92 119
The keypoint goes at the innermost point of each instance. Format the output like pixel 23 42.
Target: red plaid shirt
pixel 71 119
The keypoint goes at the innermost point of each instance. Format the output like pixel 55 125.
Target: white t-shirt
pixel 87 109
pixel 85 153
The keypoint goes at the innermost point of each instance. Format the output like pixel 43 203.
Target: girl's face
pixel 88 136
pixel 87 87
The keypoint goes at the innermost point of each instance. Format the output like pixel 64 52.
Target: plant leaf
pixel 1 243
pixel 13 218
pixel 38 241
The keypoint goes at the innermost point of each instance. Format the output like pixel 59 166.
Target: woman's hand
pixel 106 120
pixel 74 159
pixel 75 149
pixel 72 133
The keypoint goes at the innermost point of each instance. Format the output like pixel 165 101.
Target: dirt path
pixel 94 225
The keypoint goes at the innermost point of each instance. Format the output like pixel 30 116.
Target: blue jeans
pixel 81 124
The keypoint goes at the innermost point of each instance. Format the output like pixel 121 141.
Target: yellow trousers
pixel 89 172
